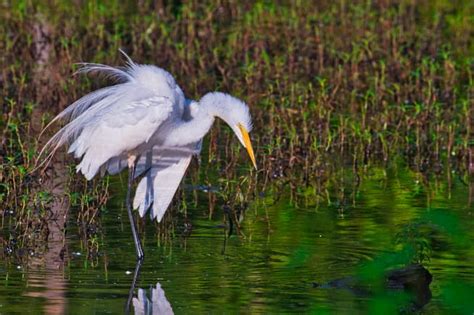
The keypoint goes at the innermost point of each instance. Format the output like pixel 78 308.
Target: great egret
pixel 144 122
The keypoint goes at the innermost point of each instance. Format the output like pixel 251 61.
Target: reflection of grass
pixel 373 272
pixel 415 242
pixel 458 295
pixel 355 83
pixel 416 245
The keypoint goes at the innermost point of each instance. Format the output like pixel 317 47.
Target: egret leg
pixel 132 287
pixel 136 238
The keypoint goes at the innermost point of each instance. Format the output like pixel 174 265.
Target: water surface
pixel 284 249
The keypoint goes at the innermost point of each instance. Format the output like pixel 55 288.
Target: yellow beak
pixel 248 145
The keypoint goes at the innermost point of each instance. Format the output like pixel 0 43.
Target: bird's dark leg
pixel 136 238
pixel 132 287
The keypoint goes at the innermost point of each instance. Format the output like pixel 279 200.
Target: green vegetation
pixel 340 91
pixel 356 82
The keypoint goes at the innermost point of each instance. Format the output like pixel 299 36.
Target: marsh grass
pixel 330 85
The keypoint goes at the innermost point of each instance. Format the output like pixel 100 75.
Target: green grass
pixel 355 82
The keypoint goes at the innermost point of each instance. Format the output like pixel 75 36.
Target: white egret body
pixel 144 122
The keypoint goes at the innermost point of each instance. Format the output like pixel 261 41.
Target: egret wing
pixel 118 163
pixel 111 133
pixel 109 122
pixel 160 182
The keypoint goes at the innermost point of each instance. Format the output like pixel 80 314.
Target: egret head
pixel 235 113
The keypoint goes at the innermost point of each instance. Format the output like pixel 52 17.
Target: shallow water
pixel 273 266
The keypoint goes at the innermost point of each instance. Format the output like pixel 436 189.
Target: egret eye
pixel 140 123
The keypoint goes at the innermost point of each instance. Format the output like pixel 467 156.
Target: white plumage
pixel 160 182
pixel 102 140
pixel 158 304
pixel 144 122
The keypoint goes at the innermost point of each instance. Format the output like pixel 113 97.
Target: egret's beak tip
pixel 248 145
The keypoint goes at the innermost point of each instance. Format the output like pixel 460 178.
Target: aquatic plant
pixel 329 84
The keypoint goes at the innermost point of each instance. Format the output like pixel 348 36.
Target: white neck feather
pixel 192 130
pixel 215 104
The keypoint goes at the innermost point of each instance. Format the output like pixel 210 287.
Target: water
pixel 273 266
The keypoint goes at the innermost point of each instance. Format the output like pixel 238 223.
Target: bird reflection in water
pixel 156 303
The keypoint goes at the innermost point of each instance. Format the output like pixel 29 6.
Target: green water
pixel 282 251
